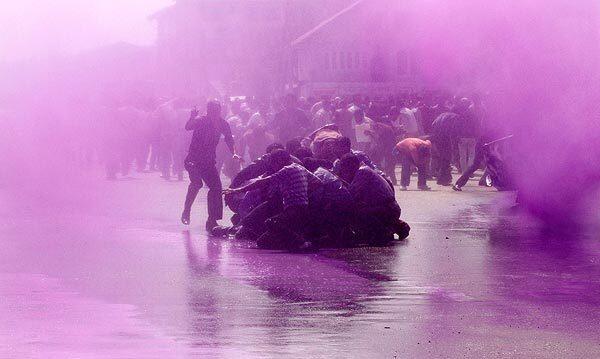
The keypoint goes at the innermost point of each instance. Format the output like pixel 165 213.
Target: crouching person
pixel 286 230
pixel 376 212
pixel 414 152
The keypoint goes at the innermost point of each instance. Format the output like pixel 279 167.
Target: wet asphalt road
pixel 108 272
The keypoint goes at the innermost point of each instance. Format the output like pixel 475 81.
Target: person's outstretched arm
pixel 226 132
pixel 258 184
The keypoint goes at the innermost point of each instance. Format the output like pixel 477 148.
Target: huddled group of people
pixel 309 193
pixel 305 172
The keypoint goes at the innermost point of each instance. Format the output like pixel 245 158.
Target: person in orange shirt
pixel 414 152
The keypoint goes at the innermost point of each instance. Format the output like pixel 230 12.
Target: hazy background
pixel 41 28
pixel 539 61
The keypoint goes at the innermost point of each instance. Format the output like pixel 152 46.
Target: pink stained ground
pixel 123 279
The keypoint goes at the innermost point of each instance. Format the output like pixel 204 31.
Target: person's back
pixel 410 146
pixel 368 188
pixel 409 121
pixel 343 119
pixel 294 182
pixel 334 192
pixel 445 125
pixel 322 117
pixel 290 123
pixel 257 140
pixel 206 137
pixel 201 161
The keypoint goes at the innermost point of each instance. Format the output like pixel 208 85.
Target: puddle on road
pixel 491 280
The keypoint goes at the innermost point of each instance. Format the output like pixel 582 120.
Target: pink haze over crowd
pixel 536 62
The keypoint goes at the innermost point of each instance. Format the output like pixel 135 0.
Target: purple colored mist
pixel 535 63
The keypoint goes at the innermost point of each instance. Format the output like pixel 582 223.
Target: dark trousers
pixel 383 156
pixel 286 229
pixel 205 173
pixel 255 221
pixel 293 220
pixel 443 148
pixel 407 165
pixel 477 161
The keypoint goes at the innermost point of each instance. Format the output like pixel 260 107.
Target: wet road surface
pixel 107 271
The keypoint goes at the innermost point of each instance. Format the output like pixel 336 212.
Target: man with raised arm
pixel 201 161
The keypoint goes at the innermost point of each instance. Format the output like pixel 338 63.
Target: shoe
pixel 185 218
pixel 425 188
pixel 220 231
pixel 403 188
pixel 456 188
pixel 210 224
pixel 402 229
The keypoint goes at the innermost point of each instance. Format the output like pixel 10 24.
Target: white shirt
pixel 361 130
pixel 408 119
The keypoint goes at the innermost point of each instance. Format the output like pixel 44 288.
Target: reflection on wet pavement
pixel 471 281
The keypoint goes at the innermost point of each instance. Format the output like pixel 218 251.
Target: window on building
pixel 342 61
pixel 357 60
pixel 326 61
pixel 349 60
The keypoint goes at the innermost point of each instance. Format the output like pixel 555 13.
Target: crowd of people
pixel 322 173
pixel 304 172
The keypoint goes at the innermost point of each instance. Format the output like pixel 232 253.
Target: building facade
pixel 364 48
pixel 230 46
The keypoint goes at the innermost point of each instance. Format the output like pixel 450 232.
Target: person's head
pixel 302 153
pixel 312 164
pixel 394 111
pixel 213 109
pixel 290 101
pixel 343 146
pixel 292 145
pixel 462 106
pixel 279 159
pixel 274 146
pixel 349 165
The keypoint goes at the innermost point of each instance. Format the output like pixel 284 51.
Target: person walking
pixel 201 161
